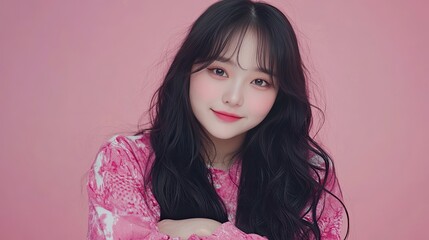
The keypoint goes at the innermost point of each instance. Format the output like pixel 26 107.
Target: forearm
pixel 187 227
pixel 204 229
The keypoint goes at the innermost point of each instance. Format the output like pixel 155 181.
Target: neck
pixel 221 156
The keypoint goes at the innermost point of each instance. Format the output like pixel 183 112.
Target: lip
pixel 227 117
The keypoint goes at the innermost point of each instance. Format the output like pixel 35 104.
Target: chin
pixel 225 135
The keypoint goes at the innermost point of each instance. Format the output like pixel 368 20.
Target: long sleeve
pixel 119 208
pixel 329 209
pixel 228 231
pixel 332 214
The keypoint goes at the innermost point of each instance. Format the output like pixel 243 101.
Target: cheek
pixel 261 105
pixel 201 89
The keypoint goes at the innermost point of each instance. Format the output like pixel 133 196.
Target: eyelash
pixel 213 70
pixel 267 83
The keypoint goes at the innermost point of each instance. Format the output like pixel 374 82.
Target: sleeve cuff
pixel 228 231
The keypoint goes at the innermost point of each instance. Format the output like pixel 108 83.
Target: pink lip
pixel 227 117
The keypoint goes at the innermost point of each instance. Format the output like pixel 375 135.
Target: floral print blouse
pixel 121 208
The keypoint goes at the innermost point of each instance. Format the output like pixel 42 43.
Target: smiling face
pixel 232 95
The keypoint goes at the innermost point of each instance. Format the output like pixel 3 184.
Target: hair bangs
pixel 266 56
pixel 220 42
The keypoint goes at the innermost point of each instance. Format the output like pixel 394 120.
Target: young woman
pixel 228 154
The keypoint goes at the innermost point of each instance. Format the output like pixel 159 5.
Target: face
pixel 229 98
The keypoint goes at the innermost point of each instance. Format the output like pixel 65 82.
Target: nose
pixel 233 94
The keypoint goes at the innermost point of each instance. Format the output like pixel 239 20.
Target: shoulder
pixel 123 155
pixel 330 208
pixel 133 143
pixel 118 196
pixel 322 169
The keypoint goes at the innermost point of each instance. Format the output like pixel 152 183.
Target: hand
pixel 185 228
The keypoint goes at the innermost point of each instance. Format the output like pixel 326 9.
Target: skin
pixel 185 228
pixel 236 86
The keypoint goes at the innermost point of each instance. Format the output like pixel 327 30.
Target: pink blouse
pixel 121 208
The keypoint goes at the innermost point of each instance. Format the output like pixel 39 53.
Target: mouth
pixel 225 116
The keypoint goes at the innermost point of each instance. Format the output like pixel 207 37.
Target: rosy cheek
pixel 202 88
pixel 261 105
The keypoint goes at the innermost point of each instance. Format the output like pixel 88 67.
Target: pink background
pixel 73 73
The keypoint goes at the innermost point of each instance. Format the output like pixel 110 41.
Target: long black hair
pixel 278 184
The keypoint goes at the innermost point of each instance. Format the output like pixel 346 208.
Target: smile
pixel 227 117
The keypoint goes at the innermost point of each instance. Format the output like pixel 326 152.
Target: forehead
pixel 248 50
pixel 242 50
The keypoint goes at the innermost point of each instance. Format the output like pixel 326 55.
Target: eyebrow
pixel 232 62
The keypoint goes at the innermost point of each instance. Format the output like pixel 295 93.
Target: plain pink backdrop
pixel 73 73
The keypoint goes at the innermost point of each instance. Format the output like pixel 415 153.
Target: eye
pixel 218 71
pixel 261 83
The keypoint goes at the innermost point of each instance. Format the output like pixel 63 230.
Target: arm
pixel 205 229
pixel 332 215
pixel 228 231
pixel 330 209
pixel 187 227
pixel 118 207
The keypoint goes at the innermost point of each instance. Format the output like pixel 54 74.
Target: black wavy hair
pixel 277 185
